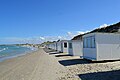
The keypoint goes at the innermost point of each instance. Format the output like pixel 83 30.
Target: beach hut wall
pixel 101 46
pixel 76 47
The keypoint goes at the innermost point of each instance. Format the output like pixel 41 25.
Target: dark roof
pixel 109 29
pixel 78 37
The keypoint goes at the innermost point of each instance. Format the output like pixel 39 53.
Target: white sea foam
pixel 3 49
pixel 14 51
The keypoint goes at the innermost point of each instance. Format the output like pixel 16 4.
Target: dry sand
pixel 34 66
pixel 50 65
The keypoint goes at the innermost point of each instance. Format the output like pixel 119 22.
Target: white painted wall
pixel 70 51
pixel 59 46
pixel 77 48
pixel 90 53
pixel 107 47
pixel 65 49
pixel 54 45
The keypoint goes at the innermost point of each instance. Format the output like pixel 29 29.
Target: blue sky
pixel 41 20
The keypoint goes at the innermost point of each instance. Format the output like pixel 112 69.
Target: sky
pixel 36 21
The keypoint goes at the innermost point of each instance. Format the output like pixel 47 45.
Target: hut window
pixel 89 42
pixel 92 42
pixel 84 43
pixel 70 45
pixel 65 45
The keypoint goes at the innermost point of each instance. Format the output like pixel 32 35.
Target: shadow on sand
pixel 104 61
pixel 107 75
pixel 48 50
pixel 52 53
pixel 62 55
pixel 73 62
pixel 82 61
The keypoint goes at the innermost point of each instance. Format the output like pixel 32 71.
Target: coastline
pixel 32 49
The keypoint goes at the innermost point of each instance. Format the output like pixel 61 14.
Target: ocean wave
pixel 7 52
pixel 3 49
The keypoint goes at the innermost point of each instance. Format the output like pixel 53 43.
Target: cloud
pixel 82 32
pixel 104 25
pixel 70 34
pixel 59 37
pixel 42 38
pixel 34 40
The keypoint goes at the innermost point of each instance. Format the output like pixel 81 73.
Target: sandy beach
pixel 33 66
pixel 45 64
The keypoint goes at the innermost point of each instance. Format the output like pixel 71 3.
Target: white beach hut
pixel 101 46
pixel 51 46
pixel 55 45
pixel 76 47
pixel 48 46
pixel 59 47
pixel 62 46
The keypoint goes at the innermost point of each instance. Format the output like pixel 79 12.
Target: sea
pixel 11 51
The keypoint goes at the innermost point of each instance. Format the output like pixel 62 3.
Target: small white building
pixel 50 46
pixel 55 45
pixel 101 46
pixel 59 48
pixel 62 46
pixel 76 48
pixel 47 46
